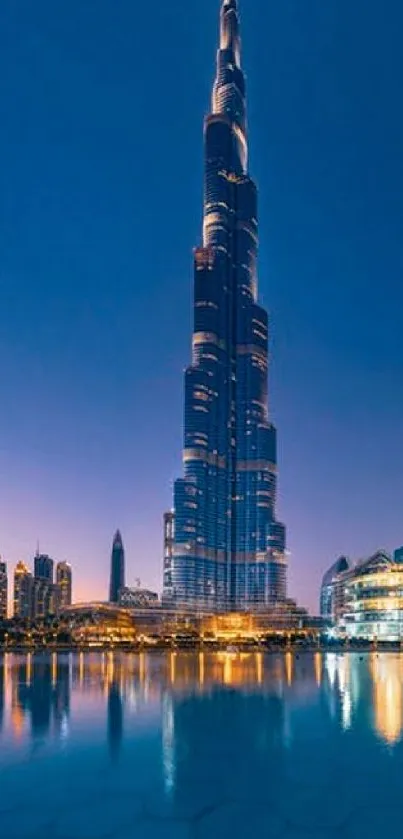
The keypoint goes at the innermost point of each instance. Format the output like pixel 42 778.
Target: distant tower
pixel 3 590
pixel 43 567
pixel 117 568
pixel 64 584
pixel 23 592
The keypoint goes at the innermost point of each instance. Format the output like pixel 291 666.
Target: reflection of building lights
pixel 142 667
pixel 201 668
pixel 289 667
pixel 259 667
pixel 29 669
pixel 386 675
pixel 343 672
pixel 227 674
pixel 318 668
pixel 54 669
pixel 172 667
pixel 168 734
pixel 110 668
pixel 17 721
pixel 331 668
pixel 81 669
pixel 342 665
pixel 346 707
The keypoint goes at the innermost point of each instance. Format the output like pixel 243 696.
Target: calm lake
pixel 201 745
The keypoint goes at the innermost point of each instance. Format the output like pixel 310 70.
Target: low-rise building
pixel 374 600
pixel 137 598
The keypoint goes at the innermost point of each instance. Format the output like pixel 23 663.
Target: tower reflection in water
pixel 40 692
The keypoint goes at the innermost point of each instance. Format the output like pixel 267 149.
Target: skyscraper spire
pixel 228 549
pixel 229 36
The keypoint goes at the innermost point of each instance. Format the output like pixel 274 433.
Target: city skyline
pixel 84 191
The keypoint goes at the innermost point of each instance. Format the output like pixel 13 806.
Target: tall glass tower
pixel 228 548
pixel 117 578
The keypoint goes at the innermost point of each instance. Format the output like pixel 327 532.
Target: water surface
pixel 201 745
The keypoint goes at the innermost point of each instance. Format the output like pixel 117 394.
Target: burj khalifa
pixel 225 550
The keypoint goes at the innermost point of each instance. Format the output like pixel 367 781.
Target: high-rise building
pixel 44 599
pixel 3 591
pixel 229 548
pixel 169 541
pixel 64 584
pixel 23 592
pixel 43 567
pixel 117 580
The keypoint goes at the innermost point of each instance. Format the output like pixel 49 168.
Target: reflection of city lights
pixel 343 672
pixel 142 667
pixel 29 669
pixel 201 668
pixel 168 737
pixel 342 665
pixel 259 667
pixel 331 667
pixel 346 706
pixel 172 667
pixel 318 668
pixel 386 672
pixel 289 667
pixel 81 669
pixel 64 727
pixel 227 674
pixel 17 721
pixel 54 669
pixel 110 668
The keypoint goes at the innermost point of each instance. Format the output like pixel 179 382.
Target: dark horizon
pixel 101 193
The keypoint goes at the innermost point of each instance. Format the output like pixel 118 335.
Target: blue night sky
pixel 101 110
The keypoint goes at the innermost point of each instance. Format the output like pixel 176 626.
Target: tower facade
pixel 64 584
pixel 229 549
pixel 23 592
pixel 43 567
pixel 3 590
pixel 117 579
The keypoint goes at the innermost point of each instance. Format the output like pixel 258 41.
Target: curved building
pixel 228 550
pixel 374 599
pixel 332 590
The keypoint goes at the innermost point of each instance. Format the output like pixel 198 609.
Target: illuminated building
pixel 45 593
pixel 332 590
pixel 398 555
pixel 229 549
pixel 44 599
pixel 64 584
pixel 23 592
pixel 3 591
pixel 117 580
pixel 137 598
pixel 43 567
pixel 97 624
pixel 374 599
pixel 169 541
